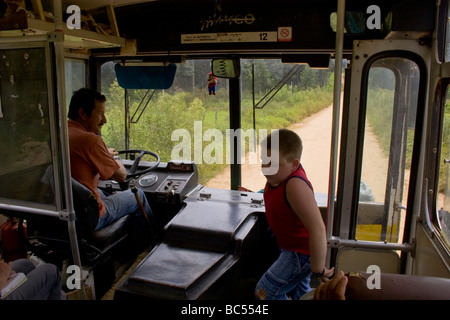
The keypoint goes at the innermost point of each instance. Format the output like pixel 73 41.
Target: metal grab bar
pixel 44 212
pixel 336 122
pixel 335 242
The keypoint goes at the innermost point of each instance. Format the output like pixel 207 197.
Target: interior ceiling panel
pixel 91 4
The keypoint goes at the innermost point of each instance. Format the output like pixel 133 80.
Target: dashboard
pixel 168 183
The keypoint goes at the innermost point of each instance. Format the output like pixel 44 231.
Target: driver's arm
pixel 120 174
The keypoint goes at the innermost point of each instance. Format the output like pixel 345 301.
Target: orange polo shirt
pixel 89 160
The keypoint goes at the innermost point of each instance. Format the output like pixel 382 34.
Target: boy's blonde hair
pixel 290 144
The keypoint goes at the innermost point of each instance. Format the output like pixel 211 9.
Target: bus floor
pixel 109 295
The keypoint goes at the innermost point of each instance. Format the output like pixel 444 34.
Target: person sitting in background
pixel 43 282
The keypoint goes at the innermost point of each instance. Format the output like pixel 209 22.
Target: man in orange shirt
pixel 91 160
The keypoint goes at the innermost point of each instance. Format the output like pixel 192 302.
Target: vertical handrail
pixel 336 117
pixel 235 126
pixel 65 153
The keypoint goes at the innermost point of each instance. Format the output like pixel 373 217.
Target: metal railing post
pixel 336 117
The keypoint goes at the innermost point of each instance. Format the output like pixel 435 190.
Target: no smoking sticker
pixel 284 34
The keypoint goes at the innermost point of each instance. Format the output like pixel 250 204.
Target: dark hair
pixel 84 99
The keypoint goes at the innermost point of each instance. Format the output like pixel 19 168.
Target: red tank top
pixel 288 229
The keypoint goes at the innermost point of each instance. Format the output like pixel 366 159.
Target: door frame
pixel 343 224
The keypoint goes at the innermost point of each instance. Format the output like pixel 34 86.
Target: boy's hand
pixel 328 273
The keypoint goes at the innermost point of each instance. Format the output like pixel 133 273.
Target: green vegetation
pixel 379 115
pixel 185 103
pixel 379 118
pixel 445 146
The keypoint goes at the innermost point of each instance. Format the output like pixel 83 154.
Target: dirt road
pixel 315 132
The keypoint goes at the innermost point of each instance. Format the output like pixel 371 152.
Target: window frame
pixel 421 103
pixel 442 94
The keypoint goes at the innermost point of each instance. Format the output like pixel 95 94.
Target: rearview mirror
pixel 226 68
pixel 145 77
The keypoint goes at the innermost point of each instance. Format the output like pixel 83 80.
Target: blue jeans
pixel 287 278
pixel 121 204
pixel 43 282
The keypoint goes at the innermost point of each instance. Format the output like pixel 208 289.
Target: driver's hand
pixel 112 152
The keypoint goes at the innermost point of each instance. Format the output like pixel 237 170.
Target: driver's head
pixel 87 107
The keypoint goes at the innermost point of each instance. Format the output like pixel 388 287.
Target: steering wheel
pixel 133 172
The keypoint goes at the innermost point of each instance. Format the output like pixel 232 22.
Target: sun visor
pixel 145 77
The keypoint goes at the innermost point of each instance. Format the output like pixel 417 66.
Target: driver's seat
pixel 53 239
pixel 99 250
pixel 86 211
pixel 120 241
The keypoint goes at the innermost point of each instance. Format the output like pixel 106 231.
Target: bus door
pixel 381 137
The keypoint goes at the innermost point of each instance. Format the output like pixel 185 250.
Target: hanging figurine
pixel 212 82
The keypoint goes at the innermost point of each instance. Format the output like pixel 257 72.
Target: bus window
pixel 26 171
pixel 75 71
pixel 391 105
pixel 174 122
pixel 301 104
pixel 444 176
pixel 447 47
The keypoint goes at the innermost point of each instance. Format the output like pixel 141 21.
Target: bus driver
pixel 91 160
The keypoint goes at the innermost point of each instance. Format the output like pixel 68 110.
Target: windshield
pixel 190 121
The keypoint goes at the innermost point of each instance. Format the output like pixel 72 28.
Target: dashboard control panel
pixel 169 182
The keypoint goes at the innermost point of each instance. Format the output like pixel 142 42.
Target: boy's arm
pixel 303 202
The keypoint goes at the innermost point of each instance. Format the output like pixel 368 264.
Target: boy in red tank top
pixel 295 220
